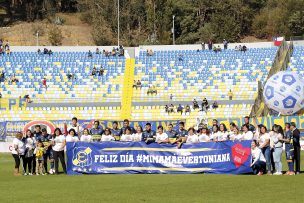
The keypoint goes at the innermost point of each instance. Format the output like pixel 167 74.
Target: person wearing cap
pixel 149 134
pixel 296 145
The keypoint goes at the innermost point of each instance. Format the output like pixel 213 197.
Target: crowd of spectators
pixel 38 148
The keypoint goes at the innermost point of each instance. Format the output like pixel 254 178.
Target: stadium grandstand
pixel 179 74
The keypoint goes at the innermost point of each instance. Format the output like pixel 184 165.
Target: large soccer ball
pixel 284 92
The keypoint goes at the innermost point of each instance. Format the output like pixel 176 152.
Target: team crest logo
pixel 82 156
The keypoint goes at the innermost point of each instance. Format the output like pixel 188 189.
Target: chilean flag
pixel 278 41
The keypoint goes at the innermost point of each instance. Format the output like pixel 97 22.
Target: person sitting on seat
pixel 90 55
pixel 93 71
pixel 101 71
pixel 195 104
pixel 187 110
pixel 154 90
pixel 97 51
pixel 214 105
pixel 180 109
pixel 171 108
pixel 113 51
pixel 138 84
pixel 150 90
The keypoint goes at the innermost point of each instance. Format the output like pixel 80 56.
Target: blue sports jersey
pixel 182 133
pixel 148 135
pixel 96 131
pixel 171 134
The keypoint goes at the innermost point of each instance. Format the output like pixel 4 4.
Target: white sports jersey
pixel 86 138
pixel 192 139
pixel 161 137
pixel 107 138
pixel 126 138
pixel 204 138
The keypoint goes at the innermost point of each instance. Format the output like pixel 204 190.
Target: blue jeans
pixel 267 153
pixel 258 166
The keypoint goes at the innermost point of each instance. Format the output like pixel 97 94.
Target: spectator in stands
pixel 135 85
pixel 138 136
pixel 27 99
pixel 296 145
pixel 101 71
pixel 69 76
pixel 195 104
pixel 113 51
pixel 2 77
pixel 127 135
pixel 205 105
pixel 171 97
pixel 244 48
pixel 6 46
pixel 72 136
pixel 230 94
pixel 203 46
pixel 149 134
pixel 215 105
pixel 247 134
pixel 154 90
pixel 18 151
pixel 214 49
pixel 138 84
pixel 289 149
pixel 39 51
pixel 210 44
pixel 90 55
pixel 150 90
pixel 58 144
pixel 167 108
pixel 44 84
pixel 45 51
pixel 240 47
pixel 192 138
pixel 225 42
pixel 121 51
pixel 150 52
pixel 107 136
pixel 8 51
pixel 86 136
pixel 172 134
pixel 187 110
pixel 236 48
pixel 247 122
pixel 97 129
pixel 180 57
pixel 94 71
pixel 50 52
pixel 171 108
pixel 29 152
pixel 203 134
pixel 218 48
pixel 97 51
pixel 180 109
pixel 258 164
pixel 107 54
pixel 14 79
pixel 76 126
pixel 161 136
pixel 126 123
pixel 1 51
pixel 115 131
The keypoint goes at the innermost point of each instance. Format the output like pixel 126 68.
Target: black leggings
pixel 57 156
pixel 17 160
pixel 28 164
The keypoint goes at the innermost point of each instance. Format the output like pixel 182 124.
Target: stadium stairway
pixel 126 100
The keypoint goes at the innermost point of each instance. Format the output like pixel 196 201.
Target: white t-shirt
pixel 59 143
pixel 214 136
pixel 126 138
pixel 248 136
pixel 192 139
pixel 86 138
pixel 204 138
pixel 20 147
pixel 30 143
pixel 161 137
pixel 238 137
pixel 222 136
pixel 257 155
pixel 263 138
pixel 70 138
pixel 107 138
pixel 75 128
pixel 137 137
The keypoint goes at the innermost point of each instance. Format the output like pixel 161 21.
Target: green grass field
pixel 147 188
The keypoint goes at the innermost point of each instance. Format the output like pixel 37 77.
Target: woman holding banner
pixel 18 152
pixel 192 138
pixel 138 136
pixel 204 134
pixel 127 136
pixel 107 136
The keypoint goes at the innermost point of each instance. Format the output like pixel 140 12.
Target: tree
pixel 55 35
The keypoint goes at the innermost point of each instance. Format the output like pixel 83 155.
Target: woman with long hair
pixel 30 143
pixel 264 144
pixel 276 136
pixel 58 144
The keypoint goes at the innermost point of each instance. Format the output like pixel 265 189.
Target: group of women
pixel 266 146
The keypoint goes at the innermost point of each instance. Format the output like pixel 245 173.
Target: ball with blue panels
pixel 284 92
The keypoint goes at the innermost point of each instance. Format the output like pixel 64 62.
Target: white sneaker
pixel 277 173
pixel 30 174
pixel 37 174
pixel 25 174
pixel 43 174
